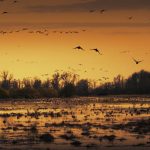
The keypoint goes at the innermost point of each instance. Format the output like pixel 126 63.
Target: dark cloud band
pixel 95 4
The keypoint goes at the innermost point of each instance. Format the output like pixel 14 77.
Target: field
pixel 77 123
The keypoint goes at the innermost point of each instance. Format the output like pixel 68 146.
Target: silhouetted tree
pixel 6 80
pixel 55 81
pixel 26 83
pixel 68 90
pixel 118 84
pixel 37 84
pixel 15 84
pixel 82 88
pixel 67 84
pixel 3 93
pixel 46 84
pixel 138 83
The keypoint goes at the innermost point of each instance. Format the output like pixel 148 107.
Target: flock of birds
pixel 13 2
pixel 41 32
pixel 101 11
pixel 98 51
pixel 94 49
pixel 46 32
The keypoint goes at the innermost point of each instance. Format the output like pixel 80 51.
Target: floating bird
pixel 137 61
pixel 79 48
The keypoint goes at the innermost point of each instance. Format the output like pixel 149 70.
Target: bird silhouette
pixel 91 11
pixel 79 48
pixel 4 12
pixel 130 18
pixel 125 52
pixel 24 29
pixel 15 1
pixel 137 61
pixel 96 50
pixel 105 78
pixel 102 11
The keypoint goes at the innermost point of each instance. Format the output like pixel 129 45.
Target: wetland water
pixel 76 123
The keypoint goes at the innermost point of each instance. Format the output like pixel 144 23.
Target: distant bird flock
pixel 94 49
pixel 79 48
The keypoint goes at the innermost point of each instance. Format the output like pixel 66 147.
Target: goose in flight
pixel 15 1
pixel 79 48
pixel 137 61
pixel 4 12
pixel 102 11
pixel 130 18
pixel 91 11
pixel 24 29
pixel 96 50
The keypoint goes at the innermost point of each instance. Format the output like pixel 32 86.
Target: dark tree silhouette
pixel 55 81
pixel 68 84
pixel 82 88
pixel 37 84
pixel 6 80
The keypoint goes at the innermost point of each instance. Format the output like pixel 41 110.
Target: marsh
pixel 111 122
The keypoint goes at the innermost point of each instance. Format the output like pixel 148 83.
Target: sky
pixel 53 28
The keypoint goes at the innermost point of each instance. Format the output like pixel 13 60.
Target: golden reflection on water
pixel 90 120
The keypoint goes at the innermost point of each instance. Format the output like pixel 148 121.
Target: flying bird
pixel 102 11
pixel 15 1
pixel 105 78
pixel 125 52
pixel 137 61
pixel 4 12
pixel 130 18
pixel 96 50
pixel 24 29
pixel 79 48
pixel 91 11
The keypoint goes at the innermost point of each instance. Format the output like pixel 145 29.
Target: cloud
pixel 87 5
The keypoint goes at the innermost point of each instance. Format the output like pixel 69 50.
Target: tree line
pixel 68 84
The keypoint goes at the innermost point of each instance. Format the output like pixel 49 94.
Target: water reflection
pixel 78 122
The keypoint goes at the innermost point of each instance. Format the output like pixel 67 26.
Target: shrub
pixel 24 93
pixel 44 92
pixel 3 94
pixel 68 90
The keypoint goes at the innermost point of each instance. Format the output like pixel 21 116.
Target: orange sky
pixel 25 54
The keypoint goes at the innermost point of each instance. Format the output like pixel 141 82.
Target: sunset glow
pixel 27 53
